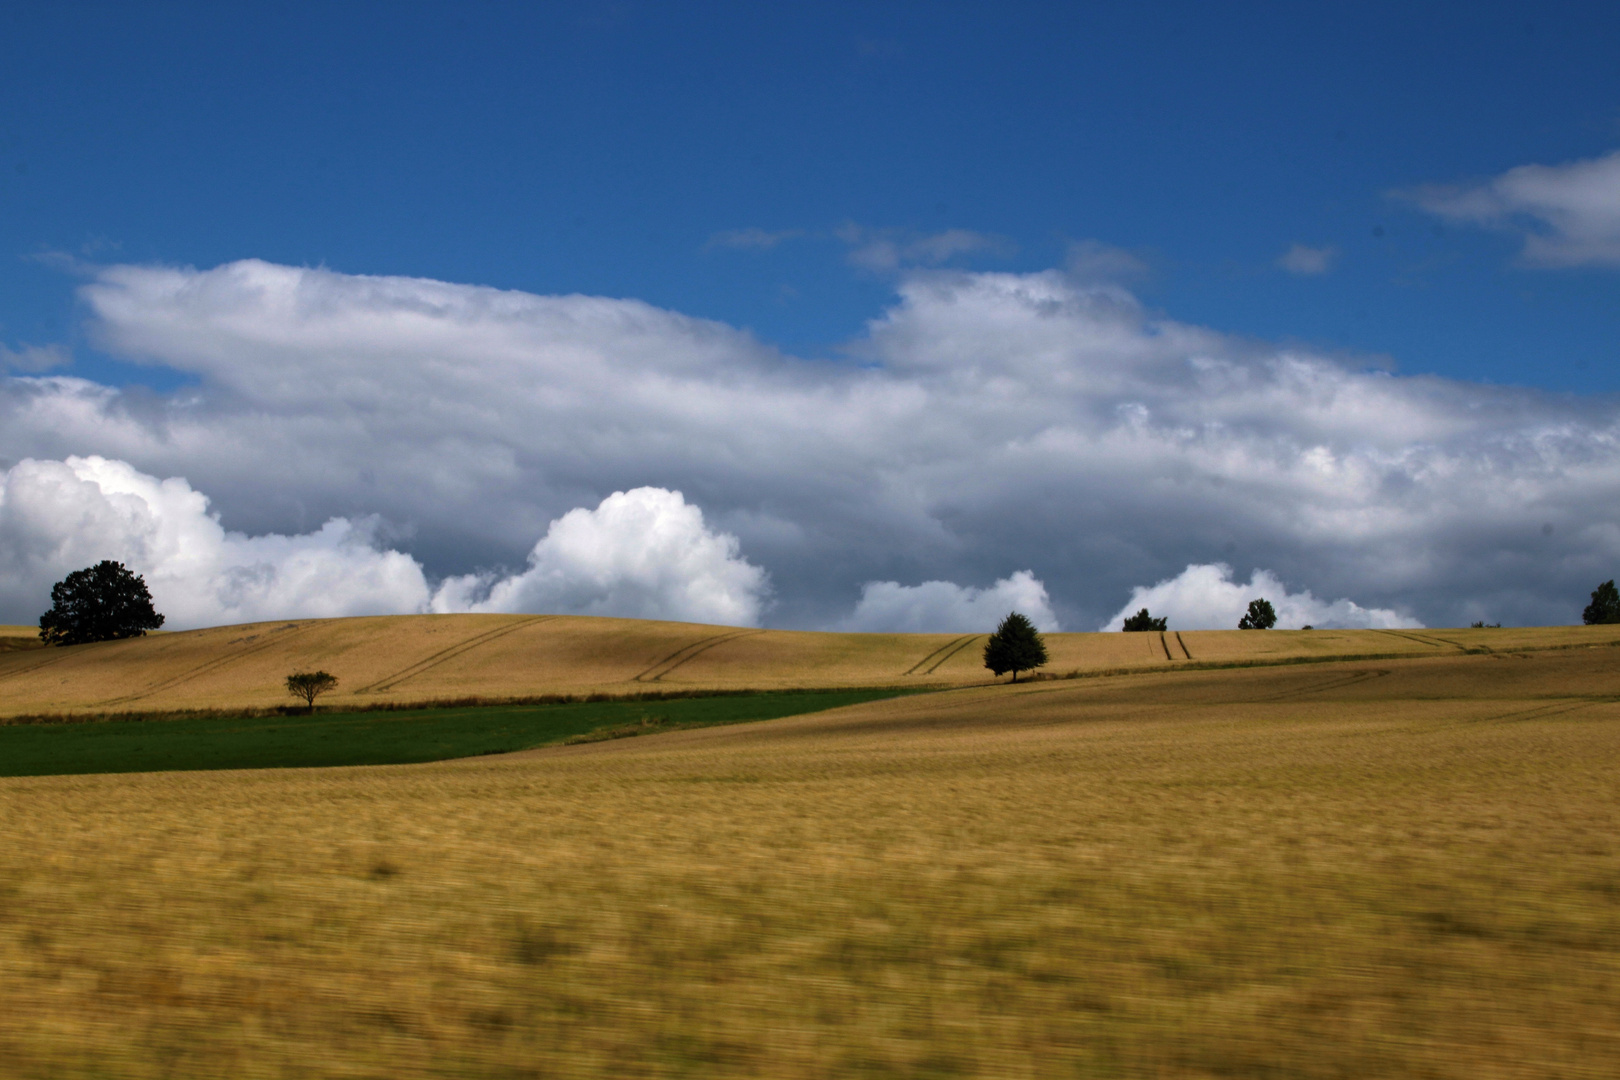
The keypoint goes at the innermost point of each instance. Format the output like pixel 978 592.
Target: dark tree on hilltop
pixel 1143 621
pixel 1605 605
pixel 103 602
pixel 1015 646
pixel 310 685
pixel 1261 616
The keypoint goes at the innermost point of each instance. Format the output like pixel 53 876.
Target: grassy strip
pixel 380 738
pixel 133 716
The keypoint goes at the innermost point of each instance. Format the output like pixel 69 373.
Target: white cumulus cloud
pixel 644 553
pixel 60 516
pixel 1568 214
pixel 1204 597
pixel 944 607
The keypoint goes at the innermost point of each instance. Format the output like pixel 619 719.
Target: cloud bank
pixel 984 421
pixel 640 554
pixel 60 516
pixel 1206 598
pixel 1569 215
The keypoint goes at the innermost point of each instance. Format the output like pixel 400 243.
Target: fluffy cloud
pixel 644 553
pixel 1204 597
pixel 945 607
pixel 1569 214
pixel 59 516
pixel 983 421
pixel 1308 261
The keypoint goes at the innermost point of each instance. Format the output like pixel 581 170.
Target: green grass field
pixel 377 738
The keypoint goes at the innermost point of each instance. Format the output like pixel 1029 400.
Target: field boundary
pixel 592 698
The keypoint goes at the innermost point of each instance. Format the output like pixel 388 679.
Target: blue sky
pixel 883 316
pixel 598 148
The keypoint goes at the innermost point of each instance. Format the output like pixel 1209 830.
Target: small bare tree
pixel 310 685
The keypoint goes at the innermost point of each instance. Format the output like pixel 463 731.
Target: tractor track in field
pixel 1432 642
pixel 689 652
pixel 1538 712
pixel 1337 683
pixel 14 672
pixel 969 640
pixel 450 652
pixel 211 665
pixel 940 655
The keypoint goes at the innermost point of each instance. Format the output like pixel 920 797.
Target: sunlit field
pixel 418 659
pixel 1404 868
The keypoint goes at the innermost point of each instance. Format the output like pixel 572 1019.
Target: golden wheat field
pixel 422 658
pixel 1395 868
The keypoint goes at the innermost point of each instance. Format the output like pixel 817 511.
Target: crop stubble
pixel 1337 870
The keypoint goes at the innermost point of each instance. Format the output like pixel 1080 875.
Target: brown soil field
pixel 1404 868
pixel 422 658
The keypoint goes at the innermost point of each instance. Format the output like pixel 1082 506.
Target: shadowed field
pixel 1376 869
pixel 426 658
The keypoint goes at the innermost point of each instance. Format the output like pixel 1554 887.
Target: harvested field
pixel 1406 868
pixel 427 658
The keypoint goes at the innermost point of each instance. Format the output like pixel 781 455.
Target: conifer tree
pixel 1015 646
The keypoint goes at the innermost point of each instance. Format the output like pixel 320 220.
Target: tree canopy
pixel 1143 621
pixel 1015 646
pixel 103 602
pixel 1605 605
pixel 310 685
pixel 1261 616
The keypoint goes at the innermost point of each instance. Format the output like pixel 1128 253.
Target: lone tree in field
pixel 1143 621
pixel 1605 605
pixel 1261 616
pixel 1015 646
pixel 310 685
pixel 103 602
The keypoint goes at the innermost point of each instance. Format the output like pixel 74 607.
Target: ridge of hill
pixel 417 659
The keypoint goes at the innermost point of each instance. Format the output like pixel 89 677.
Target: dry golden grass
pixel 1382 869
pixel 420 658
pixel 13 638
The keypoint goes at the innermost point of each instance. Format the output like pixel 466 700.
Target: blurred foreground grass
pixel 1407 870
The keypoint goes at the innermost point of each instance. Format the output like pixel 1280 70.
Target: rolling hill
pixel 424 658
